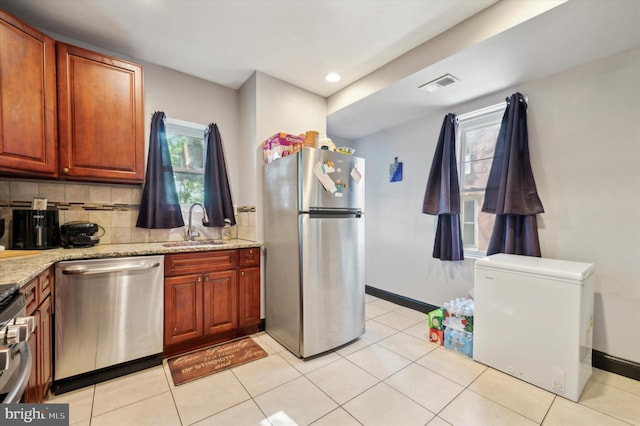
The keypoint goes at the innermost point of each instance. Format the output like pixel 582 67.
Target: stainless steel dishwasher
pixel 108 319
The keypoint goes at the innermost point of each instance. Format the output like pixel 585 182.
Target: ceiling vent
pixel 438 83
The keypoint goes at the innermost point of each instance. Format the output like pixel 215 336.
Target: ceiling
pixel 567 35
pixel 299 41
pixel 225 41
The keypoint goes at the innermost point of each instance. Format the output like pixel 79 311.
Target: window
pixel 186 148
pixel 469 222
pixel 477 136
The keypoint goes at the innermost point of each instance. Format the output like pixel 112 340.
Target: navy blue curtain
pixel 159 207
pixel 442 195
pixel 511 192
pixel 217 194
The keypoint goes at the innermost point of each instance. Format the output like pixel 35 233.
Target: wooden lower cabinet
pixel 209 299
pixel 249 296
pixel 220 302
pixel 182 309
pixel 45 342
pixel 249 286
pixel 31 392
pixel 39 306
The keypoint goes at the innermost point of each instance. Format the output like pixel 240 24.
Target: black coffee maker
pixel 35 229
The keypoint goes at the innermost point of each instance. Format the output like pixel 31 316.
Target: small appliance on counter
pixel 35 229
pixel 80 234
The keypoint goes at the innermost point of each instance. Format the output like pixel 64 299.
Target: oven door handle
pixel 18 387
pixel 84 270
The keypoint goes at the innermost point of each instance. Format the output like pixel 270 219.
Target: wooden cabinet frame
pixel 100 116
pixel 210 297
pixel 38 293
pixel 66 111
pixel 28 141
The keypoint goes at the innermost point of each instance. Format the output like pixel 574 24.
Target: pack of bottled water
pixel 458 314
pixel 458 322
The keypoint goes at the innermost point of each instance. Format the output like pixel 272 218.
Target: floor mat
pixel 194 365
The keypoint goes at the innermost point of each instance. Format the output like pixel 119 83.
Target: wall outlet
pixel 559 378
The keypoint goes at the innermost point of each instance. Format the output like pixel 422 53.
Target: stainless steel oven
pixel 15 357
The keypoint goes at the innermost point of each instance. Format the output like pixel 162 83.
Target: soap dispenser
pixel 226 230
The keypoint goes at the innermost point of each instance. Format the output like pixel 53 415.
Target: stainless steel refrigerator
pixel 314 240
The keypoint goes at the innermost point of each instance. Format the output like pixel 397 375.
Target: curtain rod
pixel 482 111
pixel 486 110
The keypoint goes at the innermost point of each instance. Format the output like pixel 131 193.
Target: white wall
pixel 268 106
pixel 247 132
pixel 584 131
pixel 192 99
pixel 283 107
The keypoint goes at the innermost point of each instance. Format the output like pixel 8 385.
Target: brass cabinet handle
pixel 199 279
pixel 65 170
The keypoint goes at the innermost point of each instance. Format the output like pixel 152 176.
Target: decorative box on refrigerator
pixel 534 320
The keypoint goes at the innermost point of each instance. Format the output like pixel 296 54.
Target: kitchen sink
pixel 194 243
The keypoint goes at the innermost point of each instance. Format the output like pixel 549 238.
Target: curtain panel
pixel 511 192
pixel 442 195
pixel 217 193
pixel 159 206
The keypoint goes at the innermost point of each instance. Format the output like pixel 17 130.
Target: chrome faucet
pixel 191 234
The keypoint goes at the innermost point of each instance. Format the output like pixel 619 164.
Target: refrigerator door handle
pixel 328 214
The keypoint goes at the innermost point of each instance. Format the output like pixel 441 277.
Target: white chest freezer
pixel 534 320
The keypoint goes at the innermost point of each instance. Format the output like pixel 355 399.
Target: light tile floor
pixel 392 376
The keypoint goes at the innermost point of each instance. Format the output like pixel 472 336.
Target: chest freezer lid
pixel 563 269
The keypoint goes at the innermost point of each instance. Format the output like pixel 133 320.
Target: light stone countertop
pixel 22 269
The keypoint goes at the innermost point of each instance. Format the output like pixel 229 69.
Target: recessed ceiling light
pixel 332 77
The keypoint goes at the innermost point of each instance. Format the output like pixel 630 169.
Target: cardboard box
pixel 436 336
pixel 435 319
pixel 280 145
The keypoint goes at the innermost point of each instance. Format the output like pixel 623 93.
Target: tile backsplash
pixel 113 207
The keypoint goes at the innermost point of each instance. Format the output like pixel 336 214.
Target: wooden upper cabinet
pixel 27 100
pixel 100 116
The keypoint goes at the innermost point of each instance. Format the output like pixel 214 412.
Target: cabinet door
pixel 32 392
pixel 100 116
pixel 249 296
pixel 44 350
pixel 182 308
pixel 27 99
pixel 220 301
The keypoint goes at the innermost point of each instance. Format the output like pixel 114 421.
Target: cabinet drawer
pixel 249 257
pixel 208 261
pixel 30 291
pixel 44 285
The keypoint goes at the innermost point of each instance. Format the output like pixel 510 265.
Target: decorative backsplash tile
pixel 113 207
